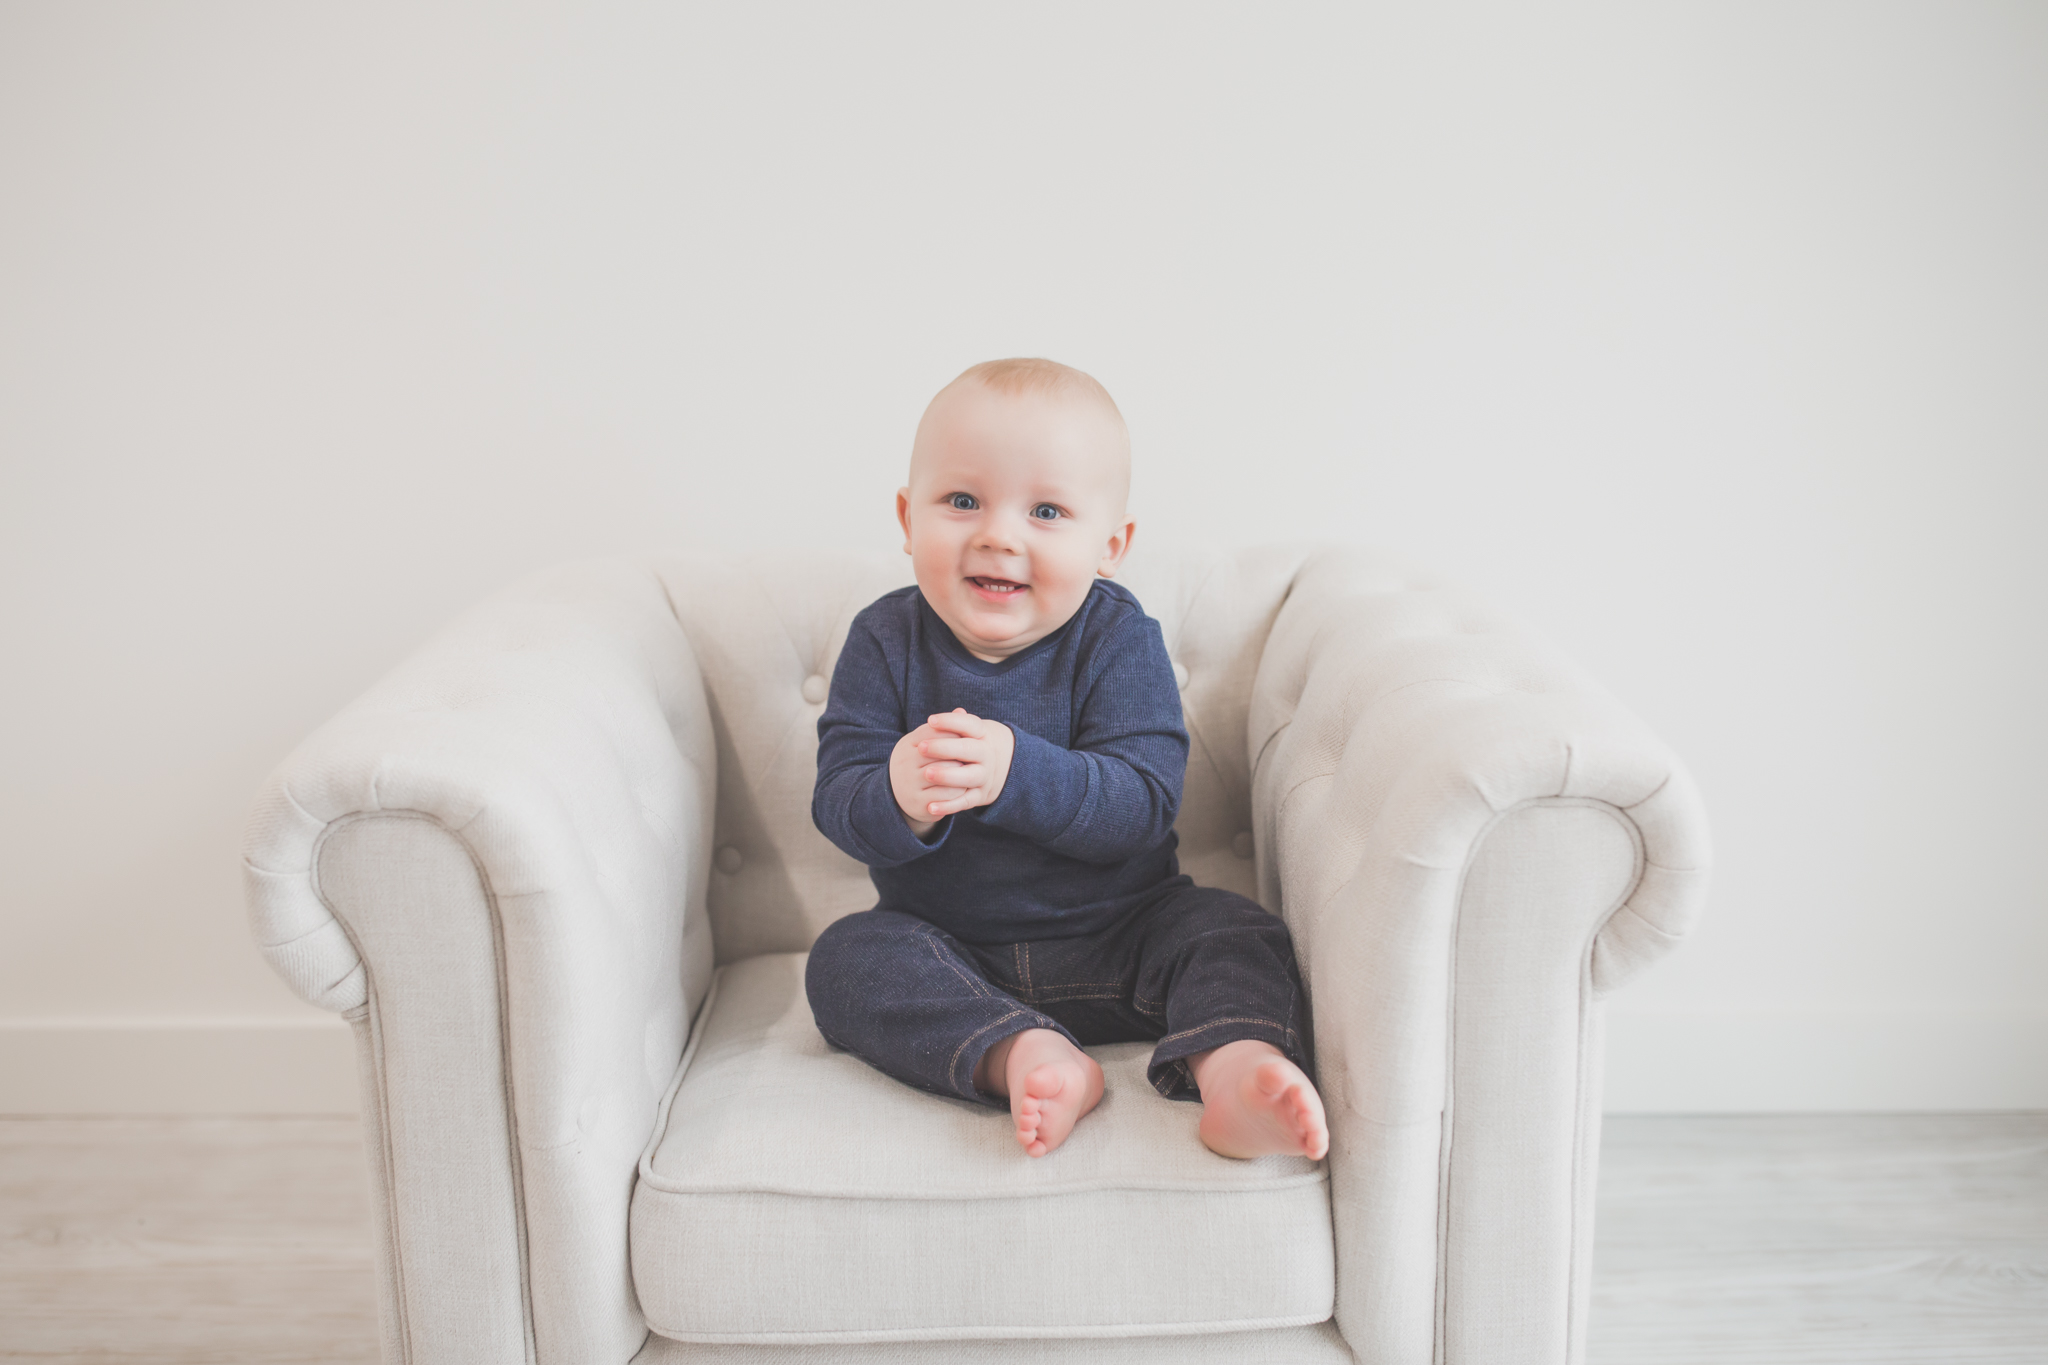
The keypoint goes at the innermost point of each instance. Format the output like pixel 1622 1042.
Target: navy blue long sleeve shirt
pixel 1083 830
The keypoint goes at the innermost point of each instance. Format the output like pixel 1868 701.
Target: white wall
pixel 1710 339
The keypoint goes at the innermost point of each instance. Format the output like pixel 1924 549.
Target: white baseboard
pixel 177 1066
pixel 1825 1061
pixel 1698 1062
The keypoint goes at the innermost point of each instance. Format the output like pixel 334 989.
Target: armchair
pixel 558 872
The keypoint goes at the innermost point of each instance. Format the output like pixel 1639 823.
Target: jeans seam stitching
pixel 1213 1023
pixel 953 1066
pixel 979 987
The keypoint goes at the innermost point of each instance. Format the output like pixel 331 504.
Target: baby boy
pixel 1003 748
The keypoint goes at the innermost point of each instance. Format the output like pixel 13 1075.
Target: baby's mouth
pixel 1000 587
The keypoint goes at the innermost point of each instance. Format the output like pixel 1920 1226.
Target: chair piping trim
pixel 1106 1185
pixel 1211 1327
pixel 1445 1163
pixel 668 1098
pixel 504 1053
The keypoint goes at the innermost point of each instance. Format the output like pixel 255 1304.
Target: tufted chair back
pixel 767 642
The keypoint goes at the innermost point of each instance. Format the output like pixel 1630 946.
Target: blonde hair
pixel 1035 374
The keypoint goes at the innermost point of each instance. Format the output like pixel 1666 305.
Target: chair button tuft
pixel 728 860
pixel 1242 844
pixel 1180 675
pixel 815 689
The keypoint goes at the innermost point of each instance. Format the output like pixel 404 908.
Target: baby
pixel 1003 748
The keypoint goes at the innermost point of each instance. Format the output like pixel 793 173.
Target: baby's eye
pixel 1045 511
pixel 962 502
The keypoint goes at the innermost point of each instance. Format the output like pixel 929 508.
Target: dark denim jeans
pixel 1193 967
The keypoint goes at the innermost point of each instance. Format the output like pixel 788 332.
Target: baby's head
pixel 1018 480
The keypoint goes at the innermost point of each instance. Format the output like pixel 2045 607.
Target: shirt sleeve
pixel 1116 792
pixel 852 803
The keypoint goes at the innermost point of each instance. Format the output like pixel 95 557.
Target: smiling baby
pixel 1003 747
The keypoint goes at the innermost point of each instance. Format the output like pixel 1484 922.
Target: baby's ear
pixel 1119 545
pixel 903 515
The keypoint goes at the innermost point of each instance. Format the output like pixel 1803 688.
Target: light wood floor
pixel 1810 1241
pixel 1806 1241
pixel 184 1241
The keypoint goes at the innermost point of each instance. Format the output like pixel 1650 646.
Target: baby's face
pixel 1015 504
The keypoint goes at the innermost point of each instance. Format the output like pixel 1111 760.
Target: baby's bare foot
pixel 1050 1084
pixel 1257 1103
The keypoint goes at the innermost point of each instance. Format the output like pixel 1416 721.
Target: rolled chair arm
pixel 1472 842
pixel 494 862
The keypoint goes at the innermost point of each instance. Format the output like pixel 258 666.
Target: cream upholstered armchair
pixel 558 870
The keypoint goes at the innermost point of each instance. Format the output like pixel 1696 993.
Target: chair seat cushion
pixel 793 1194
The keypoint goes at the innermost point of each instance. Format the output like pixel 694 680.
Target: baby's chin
pixel 996 629
pixel 999 636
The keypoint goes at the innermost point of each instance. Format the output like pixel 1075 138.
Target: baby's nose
pixel 1000 533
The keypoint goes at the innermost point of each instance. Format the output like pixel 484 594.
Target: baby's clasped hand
pixel 967 754
pixel 951 763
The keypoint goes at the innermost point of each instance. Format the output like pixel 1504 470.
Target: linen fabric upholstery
pixel 558 735
pixel 434 1028
pixel 515 861
pixel 1399 728
pixel 793 1194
